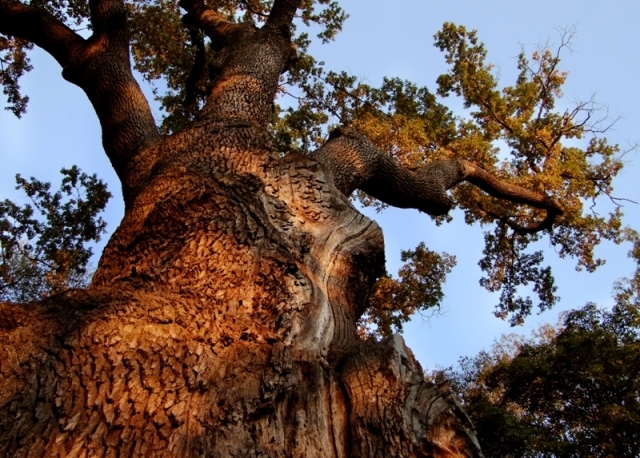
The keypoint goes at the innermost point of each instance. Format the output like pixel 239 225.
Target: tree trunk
pixel 221 322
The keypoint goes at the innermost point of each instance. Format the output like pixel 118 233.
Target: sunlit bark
pixel 221 320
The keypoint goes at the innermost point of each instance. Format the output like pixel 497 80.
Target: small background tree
pixel 569 391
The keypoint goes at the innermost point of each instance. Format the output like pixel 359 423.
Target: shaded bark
pixel 221 319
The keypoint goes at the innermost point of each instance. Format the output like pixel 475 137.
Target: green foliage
pixel 417 289
pixel 402 119
pixel 508 266
pixel 13 64
pixel 523 117
pixel 45 254
pixel 164 49
pixel 517 132
pixel 573 391
pixel 627 290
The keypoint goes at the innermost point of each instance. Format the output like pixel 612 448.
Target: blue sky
pixel 60 129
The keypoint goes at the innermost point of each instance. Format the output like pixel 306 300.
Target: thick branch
pixel 248 62
pixel 41 28
pixel 109 19
pixel 247 68
pixel 356 163
pixel 99 65
pixel 498 188
pixel 282 13
pixel 103 70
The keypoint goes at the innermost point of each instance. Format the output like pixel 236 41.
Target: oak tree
pixel 223 316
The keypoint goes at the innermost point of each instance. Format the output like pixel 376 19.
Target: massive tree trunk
pixel 221 322
pixel 222 318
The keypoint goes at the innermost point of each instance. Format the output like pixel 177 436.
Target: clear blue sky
pixel 60 129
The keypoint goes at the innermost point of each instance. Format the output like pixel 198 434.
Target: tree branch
pixel 498 188
pixel 248 65
pixel 521 229
pixel 109 18
pixel 41 28
pixel 355 163
pixel 100 66
pixel 253 10
pixel 103 70
pixel 211 23
pixel 282 13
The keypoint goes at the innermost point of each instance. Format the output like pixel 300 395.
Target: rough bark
pixel 221 322
pixel 221 319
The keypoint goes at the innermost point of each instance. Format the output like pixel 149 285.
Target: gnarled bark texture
pixel 221 319
pixel 221 323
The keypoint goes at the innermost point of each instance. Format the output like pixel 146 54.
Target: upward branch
pixel 247 62
pixel 282 13
pixel 211 23
pixel 501 189
pixel 103 71
pixel 100 65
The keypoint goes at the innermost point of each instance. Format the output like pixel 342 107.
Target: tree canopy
pixel 513 132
